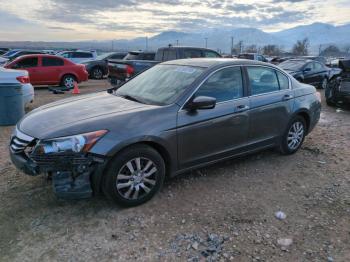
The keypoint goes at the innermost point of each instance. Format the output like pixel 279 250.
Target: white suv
pixel 9 76
pixel 78 56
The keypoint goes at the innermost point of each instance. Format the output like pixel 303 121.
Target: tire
pixel 134 176
pixel 294 136
pixel 96 73
pixel 68 81
pixel 329 94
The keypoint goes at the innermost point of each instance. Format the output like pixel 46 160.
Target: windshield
pixel 9 53
pixel 292 65
pixel 161 84
pixel 103 56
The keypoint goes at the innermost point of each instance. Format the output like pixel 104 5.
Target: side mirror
pixel 202 102
pixel 307 69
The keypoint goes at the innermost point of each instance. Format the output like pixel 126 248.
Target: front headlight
pixel 75 144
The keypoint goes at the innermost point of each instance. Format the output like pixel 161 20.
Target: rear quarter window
pixel 282 80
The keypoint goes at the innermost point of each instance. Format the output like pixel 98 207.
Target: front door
pixel 208 134
pixel 271 101
pixel 52 68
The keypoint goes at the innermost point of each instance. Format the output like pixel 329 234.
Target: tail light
pixel 23 79
pixel 318 95
pixel 129 71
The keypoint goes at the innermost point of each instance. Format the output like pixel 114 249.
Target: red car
pixel 50 70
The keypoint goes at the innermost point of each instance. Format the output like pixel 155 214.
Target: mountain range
pixel 217 38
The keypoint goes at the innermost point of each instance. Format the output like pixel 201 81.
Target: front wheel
pixel 134 176
pixel 324 83
pixel 294 136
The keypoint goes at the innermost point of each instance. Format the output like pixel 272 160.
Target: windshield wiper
pixel 132 98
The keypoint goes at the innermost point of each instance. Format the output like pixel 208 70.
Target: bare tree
pixel 271 50
pixel 301 47
pixel 331 50
pixel 251 49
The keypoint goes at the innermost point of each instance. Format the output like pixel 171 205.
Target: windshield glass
pixel 292 65
pixel 103 56
pixel 9 53
pixel 161 84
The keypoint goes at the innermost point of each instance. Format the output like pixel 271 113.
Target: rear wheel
pixel 294 136
pixel 68 81
pixel 324 83
pixel 97 73
pixel 134 176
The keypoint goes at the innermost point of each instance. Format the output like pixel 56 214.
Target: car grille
pixel 61 160
pixel 20 142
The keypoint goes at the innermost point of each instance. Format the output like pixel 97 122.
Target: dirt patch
pixel 220 213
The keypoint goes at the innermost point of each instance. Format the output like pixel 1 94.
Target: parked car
pixel 174 117
pixel 252 56
pixel 309 71
pixel 78 56
pixel 99 68
pixel 3 50
pixel 9 76
pixel 50 70
pixel 10 56
pixel 121 70
pixel 338 90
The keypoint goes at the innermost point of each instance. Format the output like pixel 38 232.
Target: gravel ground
pixel 225 212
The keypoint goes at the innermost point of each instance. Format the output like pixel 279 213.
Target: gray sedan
pixel 172 118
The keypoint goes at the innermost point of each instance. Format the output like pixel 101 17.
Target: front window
pixel 161 84
pixel 224 85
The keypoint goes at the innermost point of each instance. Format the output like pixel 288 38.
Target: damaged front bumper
pixel 74 175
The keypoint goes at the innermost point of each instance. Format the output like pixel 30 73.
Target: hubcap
pixel 295 135
pixel 69 82
pixel 97 73
pixel 136 178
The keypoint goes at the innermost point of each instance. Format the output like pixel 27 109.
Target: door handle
pixel 287 97
pixel 242 108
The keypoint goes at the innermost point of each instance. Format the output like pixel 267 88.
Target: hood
pixel 68 113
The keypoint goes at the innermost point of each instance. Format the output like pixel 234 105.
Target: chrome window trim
pixel 205 79
pixel 240 65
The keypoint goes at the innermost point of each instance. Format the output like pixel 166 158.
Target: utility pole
pixel 206 42
pixel 319 50
pixel 231 46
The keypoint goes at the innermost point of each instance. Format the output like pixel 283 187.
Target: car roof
pixel 186 47
pixel 211 62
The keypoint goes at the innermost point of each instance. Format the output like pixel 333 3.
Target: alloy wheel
pixel 69 82
pixel 136 178
pixel 324 83
pixel 97 73
pixel 295 135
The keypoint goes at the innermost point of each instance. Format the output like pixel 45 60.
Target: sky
pixel 73 20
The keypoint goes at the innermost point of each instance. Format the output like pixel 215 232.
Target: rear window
pixel 132 56
pixel 192 53
pixel 82 55
pixel 27 62
pixel 50 61
pixel 169 54
pixel 246 56
pixel 210 54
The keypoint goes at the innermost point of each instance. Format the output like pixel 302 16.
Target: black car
pixel 172 118
pixel 308 71
pixel 338 89
pixel 98 68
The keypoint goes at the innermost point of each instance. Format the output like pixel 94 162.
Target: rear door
pixel 52 69
pixel 209 134
pixel 271 101
pixel 31 64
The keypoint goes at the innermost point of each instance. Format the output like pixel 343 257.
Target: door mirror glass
pixel 308 69
pixel 202 102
